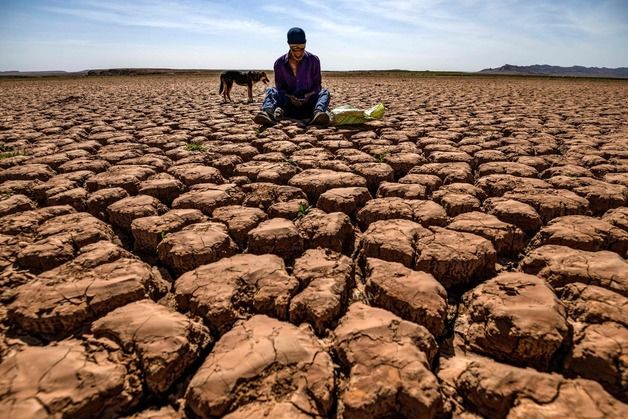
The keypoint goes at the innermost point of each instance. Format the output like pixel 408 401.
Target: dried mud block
pixel 567 170
pixel 602 196
pixel 285 147
pixel 458 198
pixel 447 172
pixel 46 254
pixel 507 168
pixel 455 258
pixel 263 195
pixel 315 182
pixel 22 187
pixel 166 342
pixel 224 291
pixel 207 197
pixel 403 162
pixel 263 171
pixel 76 197
pixel 551 203
pixel 332 231
pixel 278 236
pixel 457 203
pixel 401 190
pixel 583 233
pixel 10 246
pixel 460 189
pixel 498 390
pixel 488 156
pixel 430 182
pixel 86 163
pixel 374 173
pixel 149 231
pixel 192 174
pixel 450 157
pixel 389 365
pixel 56 306
pixel 27 172
pixel 599 353
pixel 593 304
pixel 616 178
pixel 239 220
pixel 498 185
pixel 67 379
pixel 617 217
pixel 288 209
pixel 515 318
pixel 392 240
pixel 15 203
pixel 125 177
pixel 414 296
pixel 516 213
pixel 157 161
pixel 166 190
pixel 53 186
pixel 426 213
pixel 26 222
pixel 506 238
pixel 196 245
pixel 264 368
pixel 98 201
pixel 561 265
pixel 326 278
pixel 348 200
pixel 81 227
pixel 88 257
pixel 60 238
pixel 122 213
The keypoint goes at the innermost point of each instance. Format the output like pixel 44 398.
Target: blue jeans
pixel 278 99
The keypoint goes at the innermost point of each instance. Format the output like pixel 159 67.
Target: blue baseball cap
pixel 296 36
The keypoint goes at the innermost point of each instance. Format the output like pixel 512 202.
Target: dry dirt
pixel 465 256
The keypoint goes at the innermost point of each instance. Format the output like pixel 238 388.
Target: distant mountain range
pixel 554 70
pixel 508 70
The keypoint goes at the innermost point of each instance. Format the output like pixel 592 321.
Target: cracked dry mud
pixel 465 256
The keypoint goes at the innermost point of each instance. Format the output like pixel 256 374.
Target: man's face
pixel 297 50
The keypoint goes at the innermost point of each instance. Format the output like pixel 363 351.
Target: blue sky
pixel 463 35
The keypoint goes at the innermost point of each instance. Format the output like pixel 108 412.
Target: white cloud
pixel 210 18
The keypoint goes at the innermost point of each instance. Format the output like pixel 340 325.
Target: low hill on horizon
pixel 505 70
pixel 554 70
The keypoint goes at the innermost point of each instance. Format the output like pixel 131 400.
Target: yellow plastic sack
pixel 347 114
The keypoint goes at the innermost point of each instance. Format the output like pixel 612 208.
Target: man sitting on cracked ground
pixel 297 92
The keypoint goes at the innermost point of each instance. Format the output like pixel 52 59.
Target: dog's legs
pixel 223 89
pixel 229 87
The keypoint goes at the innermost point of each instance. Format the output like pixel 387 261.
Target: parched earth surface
pixel 465 256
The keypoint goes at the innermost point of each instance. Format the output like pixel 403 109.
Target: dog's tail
pixel 222 83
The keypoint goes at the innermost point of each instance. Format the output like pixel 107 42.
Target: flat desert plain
pixel 464 256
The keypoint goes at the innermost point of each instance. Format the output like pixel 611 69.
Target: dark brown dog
pixel 242 78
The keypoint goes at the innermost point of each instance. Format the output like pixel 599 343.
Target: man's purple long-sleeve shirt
pixel 308 78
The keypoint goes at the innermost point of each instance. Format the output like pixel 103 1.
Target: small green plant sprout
pixel 380 157
pixel 290 161
pixel 163 234
pixel 303 210
pixel 258 132
pixel 195 147
pixel 8 151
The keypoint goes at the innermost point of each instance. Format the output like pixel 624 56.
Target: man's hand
pixel 297 102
